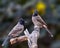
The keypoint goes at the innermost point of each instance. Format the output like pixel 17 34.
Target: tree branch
pixel 18 39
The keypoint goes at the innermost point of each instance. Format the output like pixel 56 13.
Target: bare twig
pixel 18 39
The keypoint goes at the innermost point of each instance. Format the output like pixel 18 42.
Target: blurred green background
pixel 12 10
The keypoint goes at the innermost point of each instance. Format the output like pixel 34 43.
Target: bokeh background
pixel 49 10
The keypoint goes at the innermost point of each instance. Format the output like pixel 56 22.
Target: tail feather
pixel 48 30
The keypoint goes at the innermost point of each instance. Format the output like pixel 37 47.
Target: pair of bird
pixel 37 21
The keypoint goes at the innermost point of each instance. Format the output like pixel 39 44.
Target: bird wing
pixel 40 20
pixel 16 30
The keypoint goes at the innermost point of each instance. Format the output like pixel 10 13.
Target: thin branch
pixel 18 39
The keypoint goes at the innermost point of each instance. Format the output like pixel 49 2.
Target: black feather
pixel 21 21
pixel 35 13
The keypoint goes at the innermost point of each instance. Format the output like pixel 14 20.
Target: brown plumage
pixel 17 29
pixel 38 21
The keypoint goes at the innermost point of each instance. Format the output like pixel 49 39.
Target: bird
pixel 38 21
pixel 17 29
pixel 15 32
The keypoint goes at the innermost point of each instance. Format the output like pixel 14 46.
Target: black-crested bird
pixel 18 28
pixel 38 21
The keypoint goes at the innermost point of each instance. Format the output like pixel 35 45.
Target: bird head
pixel 21 21
pixel 35 13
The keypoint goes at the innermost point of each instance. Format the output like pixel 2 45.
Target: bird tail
pixel 48 30
pixel 6 42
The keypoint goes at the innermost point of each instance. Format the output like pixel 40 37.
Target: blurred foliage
pixel 48 9
pixel 41 7
pixel 22 2
pixel 0 2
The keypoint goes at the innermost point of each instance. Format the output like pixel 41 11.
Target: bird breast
pixel 35 22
